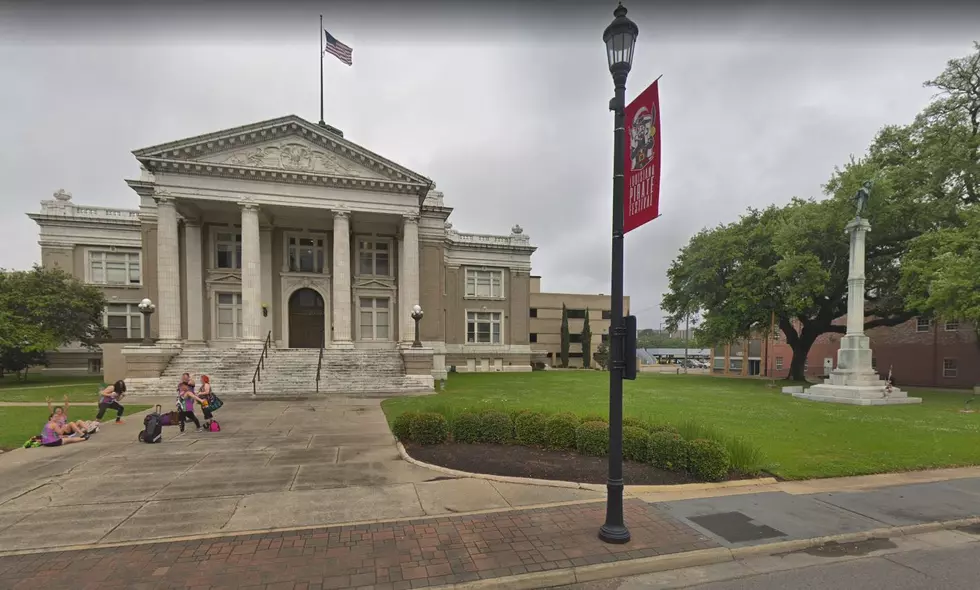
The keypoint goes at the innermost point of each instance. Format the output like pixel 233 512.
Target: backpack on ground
pixel 152 428
pixel 213 426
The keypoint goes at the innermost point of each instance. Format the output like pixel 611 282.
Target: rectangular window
pixel 576 314
pixel 534 312
pixel 374 257
pixel 485 284
pixel 114 268
pixel 734 364
pixel 375 318
pixel 228 308
pixel 922 324
pixel 95 366
pixel 719 363
pixel 950 368
pixel 534 337
pixel 779 363
pixel 228 250
pixel 607 314
pixel 952 325
pixel 306 254
pixel 575 338
pixel 123 320
pixel 483 327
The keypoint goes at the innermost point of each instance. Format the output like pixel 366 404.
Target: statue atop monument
pixel 862 196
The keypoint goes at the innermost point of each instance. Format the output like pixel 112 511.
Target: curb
pixel 592 487
pixel 701 557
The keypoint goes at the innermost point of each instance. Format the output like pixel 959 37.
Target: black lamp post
pixel 146 308
pixel 417 316
pixel 620 37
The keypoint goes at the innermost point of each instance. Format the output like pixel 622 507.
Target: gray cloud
pixel 505 107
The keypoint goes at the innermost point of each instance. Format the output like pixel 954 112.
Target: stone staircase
pixel 287 372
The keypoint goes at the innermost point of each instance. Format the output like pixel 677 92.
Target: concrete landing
pixel 857 395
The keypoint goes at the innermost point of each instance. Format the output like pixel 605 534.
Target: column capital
pixel 412 218
pixel 248 205
pixel 341 214
pixel 192 222
pixel 163 196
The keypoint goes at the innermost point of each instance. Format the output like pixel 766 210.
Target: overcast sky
pixel 503 105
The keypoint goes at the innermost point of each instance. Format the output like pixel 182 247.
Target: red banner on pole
pixel 641 200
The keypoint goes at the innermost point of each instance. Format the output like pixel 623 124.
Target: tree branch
pixel 894 320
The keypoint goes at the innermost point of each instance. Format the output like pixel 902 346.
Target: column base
pixel 195 344
pixel 250 344
pixel 169 344
pixel 341 345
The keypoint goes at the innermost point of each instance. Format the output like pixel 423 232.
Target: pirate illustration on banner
pixel 642 130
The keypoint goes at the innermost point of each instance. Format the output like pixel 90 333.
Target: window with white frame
pixel 306 254
pixel 922 324
pixel 374 258
pixel 114 268
pixel 779 363
pixel 485 284
pixel 483 327
pixel 228 313
pixel 228 250
pixel 123 320
pixel 375 318
pixel 952 325
pixel 950 367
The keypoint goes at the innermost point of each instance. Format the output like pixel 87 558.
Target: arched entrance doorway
pixel 306 319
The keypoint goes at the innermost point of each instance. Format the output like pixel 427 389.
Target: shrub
pixel 635 443
pixel 667 450
pixel 515 413
pixel 708 460
pixel 467 428
pixel 592 438
pixel 529 428
pixel 747 458
pixel 560 430
pixel 593 418
pixel 401 425
pixel 663 428
pixel 496 427
pixel 428 428
pixel 635 423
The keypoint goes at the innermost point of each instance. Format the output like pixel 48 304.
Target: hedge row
pixel 660 445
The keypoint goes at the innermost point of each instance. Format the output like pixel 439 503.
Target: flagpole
pixel 321 70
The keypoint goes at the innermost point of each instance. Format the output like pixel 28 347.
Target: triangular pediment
pixel 288 144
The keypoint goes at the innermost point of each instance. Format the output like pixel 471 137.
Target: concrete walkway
pixel 274 465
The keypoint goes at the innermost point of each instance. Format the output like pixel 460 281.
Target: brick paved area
pixel 392 556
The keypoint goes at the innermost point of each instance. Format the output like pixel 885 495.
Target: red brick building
pixel 919 352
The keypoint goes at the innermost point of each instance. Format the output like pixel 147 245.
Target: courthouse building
pixel 286 231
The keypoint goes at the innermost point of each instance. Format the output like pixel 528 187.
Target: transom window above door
pixel 374 258
pixel 228 250
pixel 306 253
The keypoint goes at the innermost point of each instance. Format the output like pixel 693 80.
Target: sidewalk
pixel 543 546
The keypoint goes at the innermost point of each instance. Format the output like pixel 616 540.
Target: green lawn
pixel 17 424
pixel 38 389
pixel 800 439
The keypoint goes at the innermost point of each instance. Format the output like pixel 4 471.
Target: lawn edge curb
pixel 592 487
pixel 697 558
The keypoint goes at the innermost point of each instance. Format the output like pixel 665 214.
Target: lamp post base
pixel 616 534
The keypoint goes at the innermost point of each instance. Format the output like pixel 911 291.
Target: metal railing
pixel 257 375
pixel 319 363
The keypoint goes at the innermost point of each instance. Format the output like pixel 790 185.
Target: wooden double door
pixel 307 319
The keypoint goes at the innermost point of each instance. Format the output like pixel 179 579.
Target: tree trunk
pixel 801 348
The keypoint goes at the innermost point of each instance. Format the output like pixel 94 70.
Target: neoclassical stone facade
pixel 285 230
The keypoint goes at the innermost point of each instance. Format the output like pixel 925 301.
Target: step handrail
pixel 319 363
pixel 257 375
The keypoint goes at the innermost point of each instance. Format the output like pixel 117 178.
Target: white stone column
pixel 195 281
pixel 251 275
pixel 341 281
pixel 265 239
pixel 168 271
pixel 408 279
pixel 858 228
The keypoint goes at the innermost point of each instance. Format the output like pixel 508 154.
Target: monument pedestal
pixel 854 381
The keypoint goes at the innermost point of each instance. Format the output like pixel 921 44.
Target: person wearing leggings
pixel 186 406
pixel 110 401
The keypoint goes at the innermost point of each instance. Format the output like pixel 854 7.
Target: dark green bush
pixel 496 427
pixel 401 425
pixel 662 428
pixel 635 423
pixel 592 438
pixel 593 418
pixel 667 450
pixel 428 428
pixel 467 427
pixel 636 441
pixel 708 460
pixel 559 431
pixel 529 428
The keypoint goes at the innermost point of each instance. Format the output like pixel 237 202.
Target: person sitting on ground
pixel 53 435
pixel 110 400
pixel 60 415
pixel 185 406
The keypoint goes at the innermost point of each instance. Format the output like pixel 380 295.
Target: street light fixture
pixel 620 38
pixel 417 314
pixel 146 308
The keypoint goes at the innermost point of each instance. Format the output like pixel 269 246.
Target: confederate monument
pixel 854 381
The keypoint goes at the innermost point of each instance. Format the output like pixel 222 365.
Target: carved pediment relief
pixel 223 276
pixel 374 283
pixel 295 155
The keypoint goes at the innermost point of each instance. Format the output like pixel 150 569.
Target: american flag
pixel 338 49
